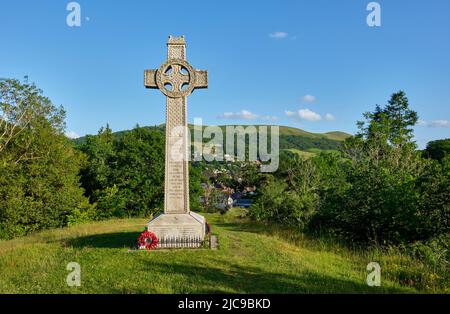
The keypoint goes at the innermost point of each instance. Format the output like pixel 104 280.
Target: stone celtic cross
pixel 176 79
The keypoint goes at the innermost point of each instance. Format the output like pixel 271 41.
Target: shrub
pixel 278 204
pixel 124 176
pixel 392 195
pixel 38 166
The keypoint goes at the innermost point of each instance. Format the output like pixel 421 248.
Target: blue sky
pixel 313 64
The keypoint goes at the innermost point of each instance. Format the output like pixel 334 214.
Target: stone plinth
pixel 179 226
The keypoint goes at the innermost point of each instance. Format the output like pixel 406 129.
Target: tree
pixel 23 109
pixel 38 166
pixel 125 176
pixel 393 123
pixel 96 173
pixel 437 150
pixel 391 194
pixel 195 185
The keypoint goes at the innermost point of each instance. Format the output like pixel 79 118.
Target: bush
pixel 279 205
pixel 379 204
pixel 392 194
pixel 124 176
pixel 438 149
pixel 38 166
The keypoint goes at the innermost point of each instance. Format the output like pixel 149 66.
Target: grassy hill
pixel 252 258
pixel 290 138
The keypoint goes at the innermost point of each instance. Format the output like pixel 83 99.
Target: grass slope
pixel 290 138
pixel 252 259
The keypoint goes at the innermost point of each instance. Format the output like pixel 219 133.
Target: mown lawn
pixel 252 258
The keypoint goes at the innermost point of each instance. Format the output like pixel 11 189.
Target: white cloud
pixel 278 35
pixel 422 122
pixel 330 117
pixel 269 118
pixel 308 115
pixel 241 115
pixel 434 123
pixel 440 123
pixel 290 113
pixel 246 115
pixel 308 98
pixel 72 135
pixel 304 114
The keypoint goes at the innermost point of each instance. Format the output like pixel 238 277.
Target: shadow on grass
pixel 106 240
pixel 220 275
pixel 128 239
pixel 233 278
pixel 289 234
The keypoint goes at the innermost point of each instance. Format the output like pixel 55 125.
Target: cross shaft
pixel 176 79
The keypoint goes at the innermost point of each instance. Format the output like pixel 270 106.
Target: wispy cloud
pixel 72 135
pixel 422 122
pixel 308 98
pixel 290 113
pixel 269 118
pixel 440 123
pixel 246 115
pixel 241 115
pixel 329 117
pixel 278 35
pixel 435 123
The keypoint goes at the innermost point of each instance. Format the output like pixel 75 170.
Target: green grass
pixel 302 153
pixel 310 152
pixel 337 135
pixel 252 258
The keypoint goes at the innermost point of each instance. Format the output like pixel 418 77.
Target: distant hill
pixel 290 138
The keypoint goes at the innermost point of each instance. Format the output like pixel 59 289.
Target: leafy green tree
pixel 124 174
pixel 438 149
pixel 38 166
pixel 385 198
pixel 278 204
pixel 195 187
pixel 138 171
pixel 96 173
pixel 395 121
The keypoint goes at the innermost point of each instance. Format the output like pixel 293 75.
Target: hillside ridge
pixel 290 137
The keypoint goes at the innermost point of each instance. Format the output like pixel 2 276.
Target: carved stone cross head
pixel 176 78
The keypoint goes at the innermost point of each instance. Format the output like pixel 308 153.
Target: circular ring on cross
pixel 176 78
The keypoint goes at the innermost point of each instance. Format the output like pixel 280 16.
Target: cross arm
pixel 150 79
pixel 201 79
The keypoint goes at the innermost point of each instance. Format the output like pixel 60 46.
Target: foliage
pixel 393 123
pixel 279 205
pixel 379 189
pixel 438 149
pixel 124 177
pixel 38 166
pixel 392 195
pixel 195 186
